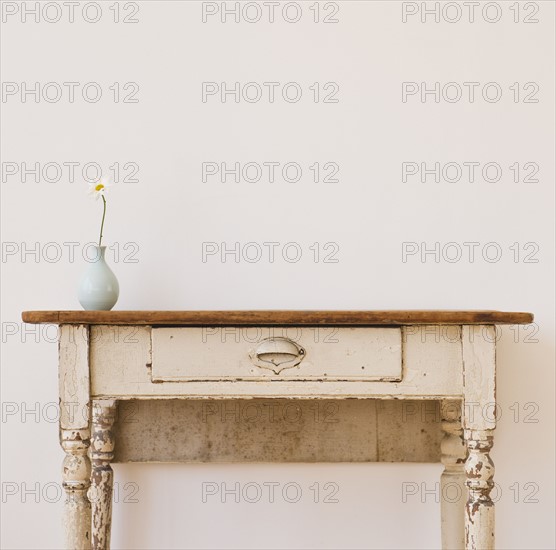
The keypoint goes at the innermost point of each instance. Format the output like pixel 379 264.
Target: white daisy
pixel 98 189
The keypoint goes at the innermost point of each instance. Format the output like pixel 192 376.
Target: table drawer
pixel 196 354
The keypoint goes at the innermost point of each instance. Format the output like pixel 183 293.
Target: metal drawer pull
pixel 277 354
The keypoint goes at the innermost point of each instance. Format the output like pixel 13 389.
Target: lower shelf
pixel 279 430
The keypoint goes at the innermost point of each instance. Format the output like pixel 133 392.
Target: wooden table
pixel 174 357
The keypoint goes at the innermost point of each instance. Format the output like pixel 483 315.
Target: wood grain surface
pixel 279 317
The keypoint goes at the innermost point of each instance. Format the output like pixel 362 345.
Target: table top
pixel 280 317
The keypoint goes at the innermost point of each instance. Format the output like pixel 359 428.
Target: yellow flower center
pixel 99 187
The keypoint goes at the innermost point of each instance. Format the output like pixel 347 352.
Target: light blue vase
pixel 98 288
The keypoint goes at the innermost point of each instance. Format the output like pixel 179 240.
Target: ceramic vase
pixel 98 288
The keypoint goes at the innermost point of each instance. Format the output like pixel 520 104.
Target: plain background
pixel 369 213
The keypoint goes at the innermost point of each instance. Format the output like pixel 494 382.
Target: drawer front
pixel 196 354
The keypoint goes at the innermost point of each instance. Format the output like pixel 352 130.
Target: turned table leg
pixel 479 511
pixel 102 475
pixel 479 421
pixel 73 384
pixel 76 471
pixel 452 481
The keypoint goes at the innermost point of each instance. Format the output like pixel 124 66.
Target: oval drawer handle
pixel 277 354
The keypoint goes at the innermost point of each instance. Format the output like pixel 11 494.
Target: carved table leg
pixel 102 476
pixel 479 421
pixel 76 471
pixel 479 532
pixel 452 481
pixel 73 383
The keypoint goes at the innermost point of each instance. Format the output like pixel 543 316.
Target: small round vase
pixel 98 289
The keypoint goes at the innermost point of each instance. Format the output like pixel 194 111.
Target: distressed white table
pixel 372 356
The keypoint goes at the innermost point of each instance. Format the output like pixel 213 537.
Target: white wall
pixel 368 213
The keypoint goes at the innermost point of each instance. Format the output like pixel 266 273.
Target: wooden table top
pixel 280 317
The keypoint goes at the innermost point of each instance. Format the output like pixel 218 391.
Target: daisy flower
pixel 97 190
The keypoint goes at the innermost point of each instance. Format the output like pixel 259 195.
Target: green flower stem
pixel 102 224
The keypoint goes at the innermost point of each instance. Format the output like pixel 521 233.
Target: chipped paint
pixel 428 370
pixel 102 476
